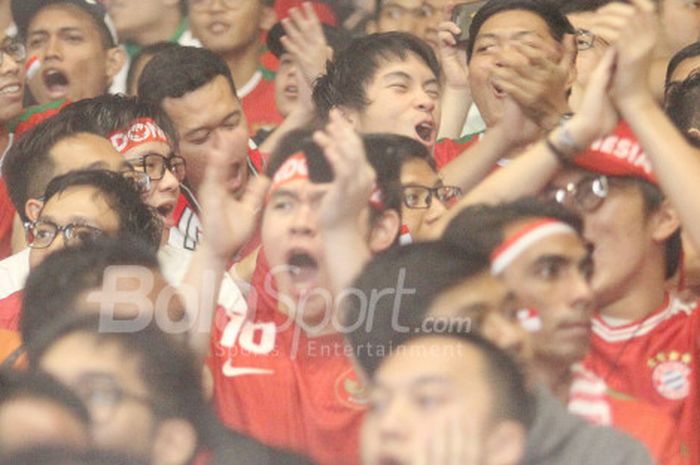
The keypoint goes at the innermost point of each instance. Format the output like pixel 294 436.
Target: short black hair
pixel 380 150
pixel 108 113
pixel 481 227
pixel 580 6
pixel 354 67
pixel 54 286
pixel 425 270
pixel 54 455
pixel 689 51
pixel 136 219
pixel 556 22
pixel 41 386
pixel 28 167
pixel 681 103
pixel 177 71
pixel 511 398
pixel 147 51
pixel 167 366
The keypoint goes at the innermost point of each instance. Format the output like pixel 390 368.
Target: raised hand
pixel 453 58
pixel 305 41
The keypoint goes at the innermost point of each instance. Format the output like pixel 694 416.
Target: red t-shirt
pixel 10 308
pixel 278 385
pixel 654 359
pixel 258 99
pixel 447 150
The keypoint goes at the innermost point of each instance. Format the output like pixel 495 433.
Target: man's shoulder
pixel 447 149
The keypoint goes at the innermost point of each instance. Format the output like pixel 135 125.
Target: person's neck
pixel 243 63
pixel 162 32
pixel 554 374
pixel 312 329
pixel 4 140
pixel 643 294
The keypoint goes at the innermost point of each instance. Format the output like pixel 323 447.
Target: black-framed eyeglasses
pixel 198 5
pixel 154 165
pixel 14 49
pixel 586 195
pixel 102 394
pixel 585 39
pixel 421 197
pixel 41 234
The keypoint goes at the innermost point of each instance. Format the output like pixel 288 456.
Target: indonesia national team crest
pixel 350 391
pixel 671 377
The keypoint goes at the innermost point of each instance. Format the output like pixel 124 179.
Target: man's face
pixel 109 382
pixel 164 191
pixel 85 151
pixel 404 98
pixel 680 23
pixel 223 28
pixel 491 308
pixel 77 205
pixel 552 276
pixel 419 17
pixel 621 234
pixel 11 88
pixel 133 17
pixel 74 63
pixel 416 392
pixel 420 221
pixel 494 37
pixel 211 117
pixel 286 85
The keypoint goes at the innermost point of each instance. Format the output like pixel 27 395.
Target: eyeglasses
pixel 586 195
pixel 102 394
pixel 154 166
pixel 585 39
pixel 422 197
pixel 397 12
pixel 200 5
pixel 14 49
pixel 41 234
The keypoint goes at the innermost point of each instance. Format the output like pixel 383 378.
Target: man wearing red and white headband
pixel 538 250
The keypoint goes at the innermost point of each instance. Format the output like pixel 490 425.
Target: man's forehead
pixel 300 188
pixel 518 23
pixel 83 149
pixel 72 17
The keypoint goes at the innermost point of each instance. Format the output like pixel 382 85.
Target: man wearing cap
pixel 75 45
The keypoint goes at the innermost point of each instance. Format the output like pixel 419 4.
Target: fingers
pixel 602 74
pixel 255 192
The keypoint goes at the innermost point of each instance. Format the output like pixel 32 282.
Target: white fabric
pixel 13 273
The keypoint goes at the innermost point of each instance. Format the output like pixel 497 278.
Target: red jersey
pixel 258 99
pixel 447 150
pixel 10 308
pixel 654 359
pixel 276 384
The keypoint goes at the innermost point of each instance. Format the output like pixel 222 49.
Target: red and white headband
pixel 506 253
pixel 140 131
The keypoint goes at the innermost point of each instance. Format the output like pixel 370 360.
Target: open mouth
pixel 56 82
pixel 303 269
pixel 291 91
pixel 166 210
pixel 389 461
pixel 425 132
pixel 218 27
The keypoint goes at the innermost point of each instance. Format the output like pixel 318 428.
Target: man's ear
pixel 268 18
pixel 505 445
pixel 116 58
pixel 32 209
pixel 384 231
pixel 664 222
pixel 174 443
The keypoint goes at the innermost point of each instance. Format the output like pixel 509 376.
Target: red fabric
pixel 323 11
pixel 655 360
pixel 272 382
pixel 10 308
pixel 618 154
pixel 447 150
pixel 7 216
pixel 10 341
pixel 260 108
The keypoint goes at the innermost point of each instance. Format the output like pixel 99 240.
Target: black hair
pixel 136 219
pixel 380 150
pixel 28 166
pixel 511 398
pixel 354 67
pixel 177 71
pixel 580 6
pixel 108 113
pixel 146 52
pixel 424 270
pixel 38 385
pixel 689 51
pixel 53 288
pixel 55 455
pixel 481 227
pixel 166 365
pixel 680 103
pixel 556 22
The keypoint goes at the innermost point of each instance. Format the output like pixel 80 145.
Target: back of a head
pixel 567 7
pixel 549 12
pixel 394 291
pixel 481 227
pixel 354 67
pixel 136 219
pixel 148 51
pixel 54 287
pixel 681 103
pixel 175 72
pixel 686 53
pixel 66 456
